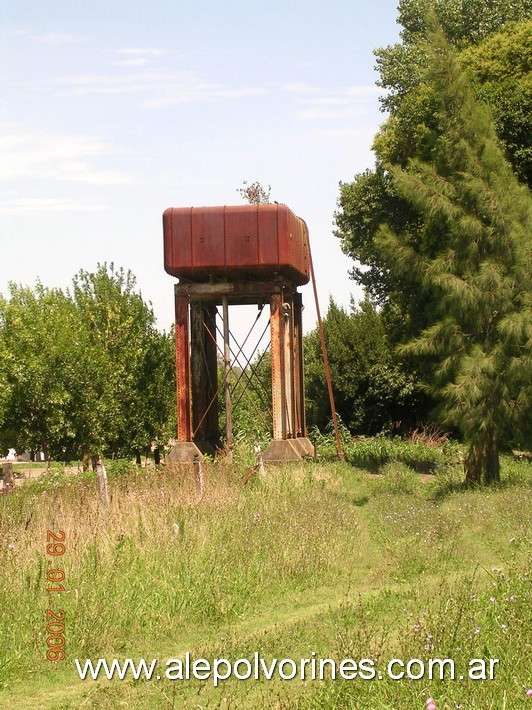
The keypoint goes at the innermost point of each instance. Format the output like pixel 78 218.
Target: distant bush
pixel 373 453
pixel 119 467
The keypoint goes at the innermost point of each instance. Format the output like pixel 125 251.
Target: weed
pixel 314 557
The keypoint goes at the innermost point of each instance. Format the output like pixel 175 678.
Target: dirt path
pixel 23 472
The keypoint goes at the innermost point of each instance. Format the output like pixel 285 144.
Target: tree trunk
pixel 86 462
pixel 138 457
pixel 156 455
pixel 481 463
pixel 492 470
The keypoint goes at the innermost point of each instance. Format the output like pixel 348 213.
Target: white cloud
pixel 321 104
pixel 159 87
pixel 359 136
pixel 239 93
pixel 30 205
pixel 364 90
pixel 298 87
pixel 90 84
pixel 135 62
pixel 137 56
pixel 321 113
pixel 328 101
pixel 67 158
pixel 58 38
pixel 142 52
pixel 339 133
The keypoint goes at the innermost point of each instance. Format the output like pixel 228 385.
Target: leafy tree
pixel 463 22
pixel 135 362
pixel 372 392
pixel 84 374
pixel 155 415
pixel 501 70
pixel 475 257
pixel 5 385
pixel 40 352
pixel 493 37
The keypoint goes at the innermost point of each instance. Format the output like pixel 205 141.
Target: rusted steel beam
pixel 212 432
pixel 184 423
pixel 278 393
pixel 298 373
pixel 288 369
pixel 227 364
pixel 197 368
pixel 215 291
pixel 326 362
pixel 196 359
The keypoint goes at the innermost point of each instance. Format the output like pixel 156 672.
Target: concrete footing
pixel 289 450
pixel 277 452
pixel 184 452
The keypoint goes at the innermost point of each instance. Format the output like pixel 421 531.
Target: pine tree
pixel 475 255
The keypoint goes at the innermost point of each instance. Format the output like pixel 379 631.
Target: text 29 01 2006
pixel 55 627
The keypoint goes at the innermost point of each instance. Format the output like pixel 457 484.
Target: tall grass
pixel 314 557
pixel 157 560
pixel 424 453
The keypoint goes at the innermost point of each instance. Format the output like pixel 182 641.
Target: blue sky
pixel 112 111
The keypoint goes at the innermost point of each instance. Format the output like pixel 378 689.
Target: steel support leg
pixel 288 369
pixel 288 400
pixel 298 375
pixel 227 363
pixel 184 423
pixel 212 431
pixel 278 393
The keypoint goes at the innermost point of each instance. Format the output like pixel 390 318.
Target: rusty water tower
pixel 228 256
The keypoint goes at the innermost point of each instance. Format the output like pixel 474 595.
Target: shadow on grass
pixel 448 483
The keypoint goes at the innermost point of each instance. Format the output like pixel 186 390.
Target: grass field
pixel 317 558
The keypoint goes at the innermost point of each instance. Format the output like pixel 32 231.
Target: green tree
pixel 501 67
pixel 5 384
pixel 135 391
pixel 41 345
pixel 493 37
pixel 154 417
pixel 475 257
pixel 372 392
pixel 85 374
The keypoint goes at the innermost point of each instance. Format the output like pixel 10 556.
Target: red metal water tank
pixel 245 241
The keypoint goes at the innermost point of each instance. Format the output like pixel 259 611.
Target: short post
pixel 259 462
pixel 7 473
pixel 102 484
pixel 198 477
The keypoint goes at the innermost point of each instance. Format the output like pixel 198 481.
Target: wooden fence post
pixel 198 477
pixel 102 484
pixel 7 473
